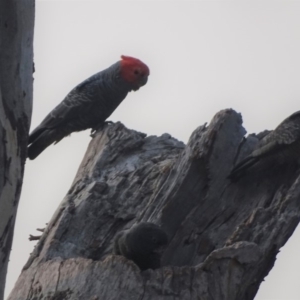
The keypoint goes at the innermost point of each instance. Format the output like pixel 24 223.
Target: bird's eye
pixel 136 72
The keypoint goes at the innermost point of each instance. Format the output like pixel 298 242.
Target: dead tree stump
pixel 224 236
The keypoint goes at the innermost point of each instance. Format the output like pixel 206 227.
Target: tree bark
pixel 16 82
pixel 224 236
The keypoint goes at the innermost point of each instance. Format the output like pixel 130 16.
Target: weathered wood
pixel 16 82
pixel 224 236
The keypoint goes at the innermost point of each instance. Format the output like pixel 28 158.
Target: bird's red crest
pixel 134 71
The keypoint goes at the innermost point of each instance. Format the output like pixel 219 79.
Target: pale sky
pixel 203 56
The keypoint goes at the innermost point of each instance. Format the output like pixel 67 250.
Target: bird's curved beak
pixel 144 80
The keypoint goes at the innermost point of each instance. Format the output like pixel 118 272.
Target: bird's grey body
pixel 142 244
pixel 280 146
pixel 87 105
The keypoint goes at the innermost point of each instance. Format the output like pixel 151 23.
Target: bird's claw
pixel 99 126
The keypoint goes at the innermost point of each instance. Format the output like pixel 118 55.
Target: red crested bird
pixel 89 104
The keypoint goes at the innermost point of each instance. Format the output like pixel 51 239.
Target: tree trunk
pixel 224 236
pixel 16 82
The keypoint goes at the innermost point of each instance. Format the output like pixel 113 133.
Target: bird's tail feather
pixel 42 139
pixel 239 169
pixel 35 134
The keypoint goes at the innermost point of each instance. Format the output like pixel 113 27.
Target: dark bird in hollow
pixel 89 104
pixel 280 146
pixel 143 244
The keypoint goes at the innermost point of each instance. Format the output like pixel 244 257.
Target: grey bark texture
pixel 16 85
pixel 224 236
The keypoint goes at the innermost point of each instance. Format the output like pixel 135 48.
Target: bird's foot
pixel 99 127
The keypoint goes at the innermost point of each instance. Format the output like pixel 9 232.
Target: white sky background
pixel 204 56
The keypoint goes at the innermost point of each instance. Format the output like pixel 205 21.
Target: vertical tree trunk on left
pixel 16 86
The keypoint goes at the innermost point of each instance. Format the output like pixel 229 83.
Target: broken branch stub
pixel 224 236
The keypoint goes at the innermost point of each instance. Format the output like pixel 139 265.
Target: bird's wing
pixel 287 132
pixel 76 102
pixel 70 108
pixel 268 148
